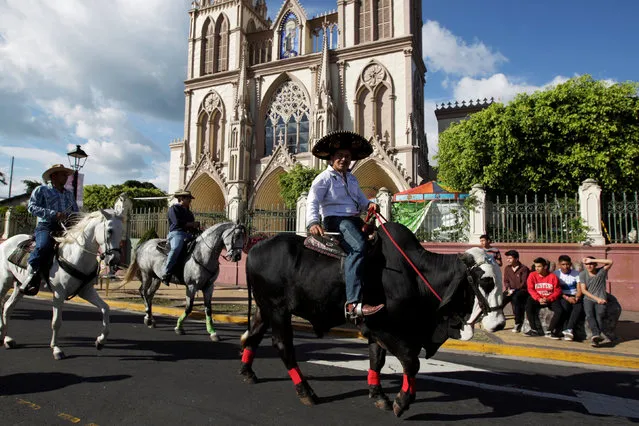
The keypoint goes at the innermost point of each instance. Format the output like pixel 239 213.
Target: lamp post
pixel 77 158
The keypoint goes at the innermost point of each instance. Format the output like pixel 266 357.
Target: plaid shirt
pixel 46 202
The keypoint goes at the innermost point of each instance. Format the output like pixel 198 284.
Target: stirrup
pixel 354 315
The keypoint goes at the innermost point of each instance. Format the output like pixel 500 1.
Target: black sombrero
pixel 325 147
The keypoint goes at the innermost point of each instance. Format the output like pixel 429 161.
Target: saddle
pixel 164 247
pixel 21 253
pixel 329 246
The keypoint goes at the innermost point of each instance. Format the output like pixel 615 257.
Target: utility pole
pixel 11 177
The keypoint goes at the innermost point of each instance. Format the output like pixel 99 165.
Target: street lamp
pixel 77 158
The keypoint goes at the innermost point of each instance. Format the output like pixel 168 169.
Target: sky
pixel 109 75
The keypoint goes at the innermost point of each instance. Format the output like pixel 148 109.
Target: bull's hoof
pixel 401 404
pixel 381 400
pixel 248 375
pixel 179 331
pixel 306 394
pixel 214 337
pixel 9 343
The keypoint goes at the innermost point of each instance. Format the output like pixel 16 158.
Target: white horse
pixel 200 270
pixel 72 272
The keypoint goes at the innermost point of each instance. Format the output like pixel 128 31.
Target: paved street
pixel 146 376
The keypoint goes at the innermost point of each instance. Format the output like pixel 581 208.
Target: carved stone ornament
pixel 211 102
pixel 374 74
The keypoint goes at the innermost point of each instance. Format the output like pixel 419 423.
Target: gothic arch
pixel 207 44
pixel 208 193
pixel 221 55
pixel 211 127
pixel 373 175
pixel 375 102
pixel 267 192
pixel 262 148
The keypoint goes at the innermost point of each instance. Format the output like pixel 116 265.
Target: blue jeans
pixel 354 244
pixel 177 240
pixel 44 244
pixel 594 315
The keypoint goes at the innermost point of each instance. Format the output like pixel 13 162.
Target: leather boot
pixel 33 279
pixel 359 310
pixel 166 279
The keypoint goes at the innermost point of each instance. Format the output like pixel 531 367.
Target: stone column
pixel 590 210
pixel 235 209
pixel 384 199
pixel 300 217
pixel 477 214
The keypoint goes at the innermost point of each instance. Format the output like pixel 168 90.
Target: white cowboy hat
pixel 182 193
pixel 56 168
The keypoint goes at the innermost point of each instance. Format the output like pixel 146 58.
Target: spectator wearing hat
pixel 335 202
pixel 181 226
pixel 52 204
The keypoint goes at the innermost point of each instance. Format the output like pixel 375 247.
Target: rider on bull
pixel 52 204
pixel 182 225
pixel 335 195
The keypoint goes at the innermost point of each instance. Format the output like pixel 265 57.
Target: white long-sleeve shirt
pixel 331 195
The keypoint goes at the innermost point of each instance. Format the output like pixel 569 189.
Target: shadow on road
pixel 28 383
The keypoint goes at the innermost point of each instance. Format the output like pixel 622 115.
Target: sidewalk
pixel 623 354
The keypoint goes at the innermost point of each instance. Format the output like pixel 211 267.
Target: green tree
pixel 550 141
pixel 102 196
pixel 31 185
pixel 296 181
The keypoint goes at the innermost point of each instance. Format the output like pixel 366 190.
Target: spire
pixel 324 75
pixel 241 100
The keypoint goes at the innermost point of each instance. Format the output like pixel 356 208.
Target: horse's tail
pixel 132 271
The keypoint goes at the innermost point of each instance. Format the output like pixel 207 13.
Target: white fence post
pixel 590 210
pixel 300 217
pixel 7 224
pixel 477 214
pixel 384 198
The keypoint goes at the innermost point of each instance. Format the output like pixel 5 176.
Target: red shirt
pixel 547 287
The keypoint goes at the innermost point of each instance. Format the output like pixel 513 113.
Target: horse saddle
pixel 326 245
pixel 164 247
pixel 21 253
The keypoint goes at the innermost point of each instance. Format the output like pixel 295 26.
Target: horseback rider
pixel 336 196
pixel 182 225
pixel 52 204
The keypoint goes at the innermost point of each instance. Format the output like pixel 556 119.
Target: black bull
pixel 288 279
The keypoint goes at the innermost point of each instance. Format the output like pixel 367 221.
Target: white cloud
pixel 444 51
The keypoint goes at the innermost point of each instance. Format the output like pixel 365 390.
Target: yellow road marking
pixel 29 404
pixel 69 417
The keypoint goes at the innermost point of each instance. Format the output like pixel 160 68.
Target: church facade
pixel 260 92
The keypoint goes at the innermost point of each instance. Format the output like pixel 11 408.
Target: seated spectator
pixel 544 291
pixel 571 298
pixel 492 252
pixel 515 278
pixel 592 281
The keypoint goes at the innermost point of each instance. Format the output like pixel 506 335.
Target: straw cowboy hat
pixel 182 193
pixel 358 146
pixel 56 168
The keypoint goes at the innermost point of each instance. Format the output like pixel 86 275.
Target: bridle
pixel 235 245
pixel 481 299
pixel 102 255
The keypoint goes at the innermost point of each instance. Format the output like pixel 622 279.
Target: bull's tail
pixel 131 272
pixel 249 289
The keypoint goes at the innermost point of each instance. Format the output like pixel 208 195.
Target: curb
pixel 504 349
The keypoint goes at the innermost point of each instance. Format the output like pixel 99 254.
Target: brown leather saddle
pixel 21 253
pixel 326 245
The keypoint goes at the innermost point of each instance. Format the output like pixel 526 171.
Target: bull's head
pixel 484 279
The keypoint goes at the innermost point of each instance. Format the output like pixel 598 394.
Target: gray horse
pixel 200 270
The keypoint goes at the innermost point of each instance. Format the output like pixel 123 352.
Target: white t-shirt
pixel 568 282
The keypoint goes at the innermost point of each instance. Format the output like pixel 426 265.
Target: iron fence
pixel 532 218
pixel 621 218
pixel 271 220
pixel 143 220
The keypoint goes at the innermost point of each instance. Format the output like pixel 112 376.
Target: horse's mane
pixel 72 234
pixel 214 228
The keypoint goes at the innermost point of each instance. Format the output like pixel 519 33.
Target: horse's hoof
pixel 9 343
pixel 149 322
pixel 58 356
pixel 214 337
pixel 99 346
pixel 248 375
pixel 179 331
